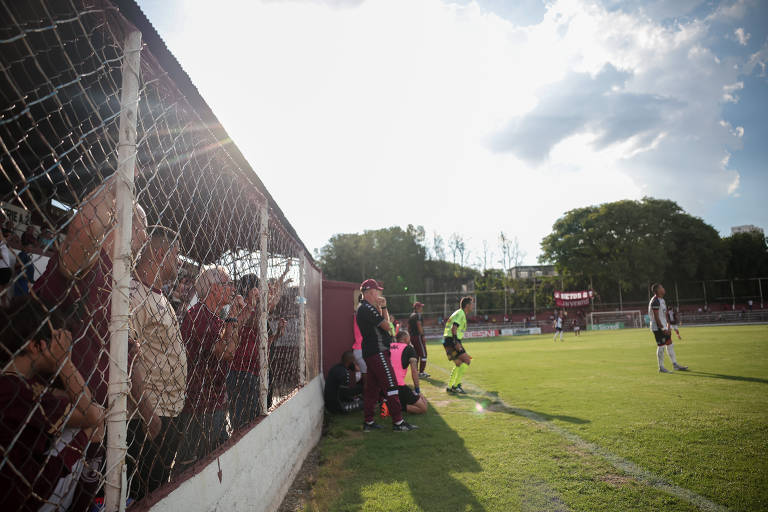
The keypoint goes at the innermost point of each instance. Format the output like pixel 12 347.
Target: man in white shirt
pixel 657 311
pixel 558 325
pixel 161 363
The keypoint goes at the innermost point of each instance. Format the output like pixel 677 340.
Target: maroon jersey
pixel 206 373
pixel 90 297
pixel 36 417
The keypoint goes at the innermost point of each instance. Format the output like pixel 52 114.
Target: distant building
pixel 529 271
pixel 747 228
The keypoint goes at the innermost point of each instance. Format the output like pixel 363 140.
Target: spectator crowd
pixel 195 358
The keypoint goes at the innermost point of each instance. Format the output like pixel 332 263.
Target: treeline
pixel 616 248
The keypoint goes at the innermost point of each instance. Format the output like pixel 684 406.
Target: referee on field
pixel 372 320
pixel 416 330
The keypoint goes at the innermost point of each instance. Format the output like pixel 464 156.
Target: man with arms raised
pixel 657 311
pixel 372 319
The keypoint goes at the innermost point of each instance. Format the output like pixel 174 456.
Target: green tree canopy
pixel 631 243
pixel 747 255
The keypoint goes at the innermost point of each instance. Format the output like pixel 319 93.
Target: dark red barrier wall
pixel 338 312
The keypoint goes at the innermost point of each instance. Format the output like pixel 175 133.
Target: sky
pixel 477 117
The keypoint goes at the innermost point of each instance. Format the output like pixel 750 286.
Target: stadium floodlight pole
pixel 264 300
pixel 534 295
pixel 704 287
pixel 733 297
pixel 677 296
pixel 621 302
pixel 760 288
pixel 115 482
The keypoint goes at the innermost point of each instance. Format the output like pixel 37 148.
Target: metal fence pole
pixel 677 296
pixel 704 287
pixel 621 302
pixel 264 306
pixel 115 491
pixel 302 325
pixel 760 287
pixel 733 297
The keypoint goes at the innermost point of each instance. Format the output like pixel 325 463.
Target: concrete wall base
pixel 257 472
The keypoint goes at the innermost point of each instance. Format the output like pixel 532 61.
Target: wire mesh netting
pixel 215 319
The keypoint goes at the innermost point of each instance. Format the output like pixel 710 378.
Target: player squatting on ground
pixel 657 311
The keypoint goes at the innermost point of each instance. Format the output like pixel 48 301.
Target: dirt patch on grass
pixel 300 491
pixel 617 480
pixel 576 451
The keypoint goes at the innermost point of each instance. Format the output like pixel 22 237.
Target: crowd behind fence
pixel 155 301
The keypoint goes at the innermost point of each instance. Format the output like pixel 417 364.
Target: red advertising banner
pixel 573 299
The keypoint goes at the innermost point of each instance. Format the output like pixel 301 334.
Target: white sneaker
pixel 664 370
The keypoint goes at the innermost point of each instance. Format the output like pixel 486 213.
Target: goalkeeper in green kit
pixel 454 349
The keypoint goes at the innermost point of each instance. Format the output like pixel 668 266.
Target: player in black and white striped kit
pixel 657 311
pixel 558 324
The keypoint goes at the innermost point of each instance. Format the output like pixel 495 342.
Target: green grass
pixel 705 430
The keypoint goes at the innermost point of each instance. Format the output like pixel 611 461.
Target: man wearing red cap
pixel 372 320
pixel 416 330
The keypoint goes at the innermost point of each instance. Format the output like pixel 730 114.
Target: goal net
pixel 609 320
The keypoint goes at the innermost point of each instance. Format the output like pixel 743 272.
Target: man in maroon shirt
pixel 79 276
pixel 210 342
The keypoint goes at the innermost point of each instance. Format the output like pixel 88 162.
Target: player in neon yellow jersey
pixel 454 349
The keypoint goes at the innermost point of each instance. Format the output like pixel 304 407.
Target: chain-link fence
pixel 154 299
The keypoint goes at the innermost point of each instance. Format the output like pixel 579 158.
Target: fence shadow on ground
pixel 426 460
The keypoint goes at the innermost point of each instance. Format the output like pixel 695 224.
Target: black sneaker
pixel 404 426
pixel 370 427
pixel 460 390
pixel 424 375
pixel 450 390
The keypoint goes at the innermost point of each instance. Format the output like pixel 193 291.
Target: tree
pixel 438 246
pixel 627 244
pixel 747 255
pixel 457 247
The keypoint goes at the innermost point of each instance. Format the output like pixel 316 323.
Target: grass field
pixel 587 424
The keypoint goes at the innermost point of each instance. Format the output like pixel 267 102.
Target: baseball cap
pixel 417 304
pixel 370 283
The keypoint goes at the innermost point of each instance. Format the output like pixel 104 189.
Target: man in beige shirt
pixel 161 363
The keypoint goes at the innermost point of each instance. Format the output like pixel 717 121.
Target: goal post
pixel 612 320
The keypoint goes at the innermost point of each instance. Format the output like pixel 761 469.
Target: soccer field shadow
pixel 694 373
pixel 388 469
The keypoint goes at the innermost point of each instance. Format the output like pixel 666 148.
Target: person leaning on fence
pixel 373 321
pixel 342 394
pixel 79 276
pixel 210 343
pixel 161 363
pixel 41 464
pixel 243 376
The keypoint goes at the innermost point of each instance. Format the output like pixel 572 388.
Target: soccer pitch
pixel 587 424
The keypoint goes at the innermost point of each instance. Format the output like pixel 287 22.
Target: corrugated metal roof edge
pixel 133 13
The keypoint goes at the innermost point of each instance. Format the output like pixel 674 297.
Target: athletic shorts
pixel 673 326
pixel 407 396
pixel 360 361
pixel 661 337
pixel 558 329
pixel 450 349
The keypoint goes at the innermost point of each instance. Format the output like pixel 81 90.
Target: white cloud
pixel 402 97
pixel 741 36
pixel 730 89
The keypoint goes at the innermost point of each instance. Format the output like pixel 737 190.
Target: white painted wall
pixel 258 471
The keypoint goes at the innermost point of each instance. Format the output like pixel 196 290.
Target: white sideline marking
pixel 620 463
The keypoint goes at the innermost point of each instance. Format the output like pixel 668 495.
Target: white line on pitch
pixel 620 463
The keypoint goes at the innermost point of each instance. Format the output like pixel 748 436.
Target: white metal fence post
pixel 114 491
pixel 302 323
pixel 264 306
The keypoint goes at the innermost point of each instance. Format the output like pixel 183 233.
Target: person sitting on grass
pixel 41 461
pixel 403 356
pixel 342 393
